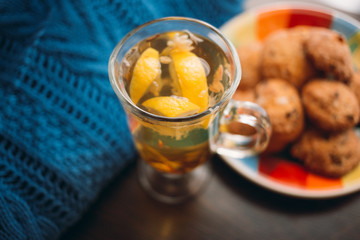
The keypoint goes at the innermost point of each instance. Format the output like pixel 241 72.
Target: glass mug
pixel 174 150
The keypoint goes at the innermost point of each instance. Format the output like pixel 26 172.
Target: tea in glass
pixel 174 74
pixel 174 77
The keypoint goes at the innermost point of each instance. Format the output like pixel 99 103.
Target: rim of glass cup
pixel 124 97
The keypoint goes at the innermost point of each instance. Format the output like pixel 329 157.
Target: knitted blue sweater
pixel 63 133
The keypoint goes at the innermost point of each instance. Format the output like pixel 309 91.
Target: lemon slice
pixel 171 106
pixel 146 70
pixel 189 77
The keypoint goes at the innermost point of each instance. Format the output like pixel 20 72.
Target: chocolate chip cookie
pixel 250 62
pixel 330 105
pixel 284 57
pixel 282 102
pixel 330 53
pixel 354 85
pixel 331 155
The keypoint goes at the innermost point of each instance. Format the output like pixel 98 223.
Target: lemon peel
pixel 147 69
pixel 171 106
pixel 189 77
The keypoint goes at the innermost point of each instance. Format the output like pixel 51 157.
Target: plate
pixel 280 174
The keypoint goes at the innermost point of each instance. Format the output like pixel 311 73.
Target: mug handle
pixel 242 129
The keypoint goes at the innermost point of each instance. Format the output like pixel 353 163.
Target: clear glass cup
pixel 174 151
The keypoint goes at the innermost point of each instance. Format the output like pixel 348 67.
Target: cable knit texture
pixel 63 133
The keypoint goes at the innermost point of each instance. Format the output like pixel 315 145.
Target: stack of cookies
pixel 305 79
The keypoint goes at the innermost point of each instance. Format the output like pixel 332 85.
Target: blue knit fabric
pixel 63 133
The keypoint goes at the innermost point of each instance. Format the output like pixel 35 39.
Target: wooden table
pixel 230 207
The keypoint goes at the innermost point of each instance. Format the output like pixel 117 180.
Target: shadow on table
pixel 230 207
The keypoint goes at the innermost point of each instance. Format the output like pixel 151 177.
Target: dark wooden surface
pixel 230 207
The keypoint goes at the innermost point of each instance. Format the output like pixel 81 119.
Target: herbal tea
pixel 174 74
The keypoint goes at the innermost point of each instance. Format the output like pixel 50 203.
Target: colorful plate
pixel 280 174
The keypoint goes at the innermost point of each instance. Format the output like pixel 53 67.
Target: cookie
pixel 330 105
pixel 329 52
pixel 331 155
pixel 283 56
pixel 249 56
pixel 282 102
pixel 354 85
pixel 244 95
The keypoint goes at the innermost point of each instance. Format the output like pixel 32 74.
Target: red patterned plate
pixel 279 173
